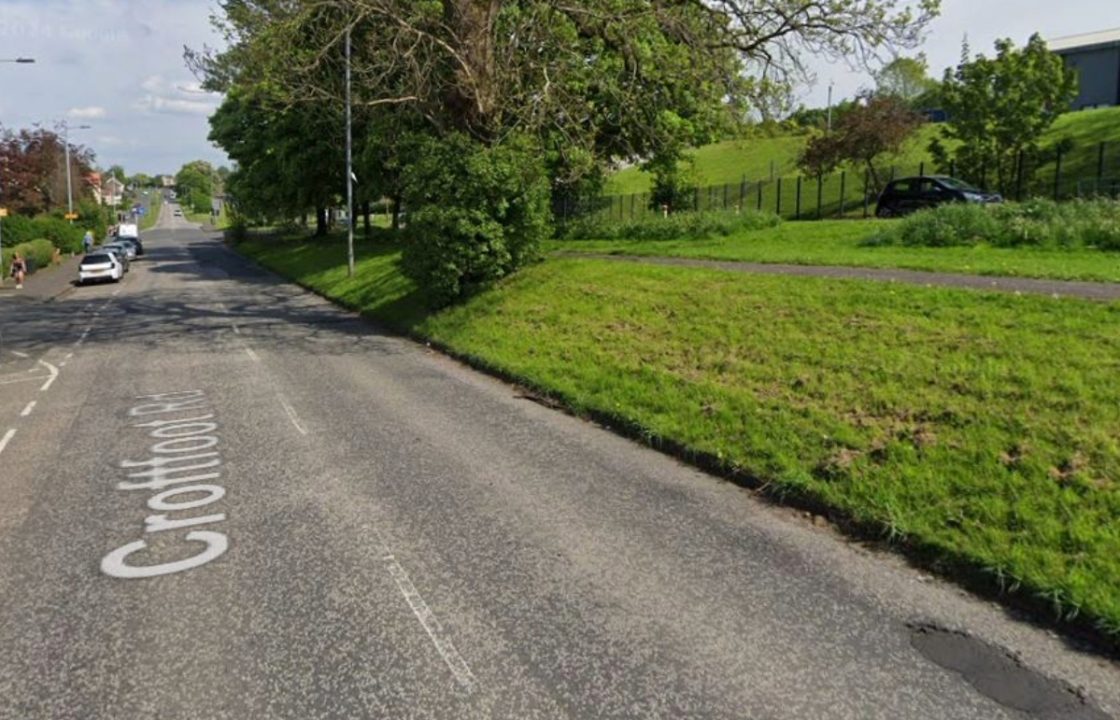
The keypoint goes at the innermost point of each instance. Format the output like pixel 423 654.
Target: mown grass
pixel 849 243
pixel 154 200
pixel 984 429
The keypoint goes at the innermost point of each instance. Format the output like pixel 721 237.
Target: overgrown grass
pixel 846 242
pixel 981 428
pixel 1078 224
pixel 154 201
pixel 684 225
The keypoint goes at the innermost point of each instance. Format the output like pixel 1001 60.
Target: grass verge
pixel 845 242
pixel 979 431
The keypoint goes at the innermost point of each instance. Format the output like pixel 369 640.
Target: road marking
pixel 17 353
pixel 427 618
pixel 20 379
pixel 54 375
pixel 236 330
pixel 68 356
pixel 27 410
pixel 85 334
pixel 252 354
pixel 116 292
pixel 6 439
pixel 291 411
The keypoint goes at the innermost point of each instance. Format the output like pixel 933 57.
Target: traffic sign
pixel 71 216
pixel 3 212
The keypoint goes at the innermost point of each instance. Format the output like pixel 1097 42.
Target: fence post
pixel 760 196
pixel 1057 174
pixel 1100 166
pixel 797 208
pixel 820 194
pixel 633 198
pixel 843 188
pixel 725 196
pixel 779 194
pixel 742 190
pixel 1019 177
pixel 922 169
pixel 866 194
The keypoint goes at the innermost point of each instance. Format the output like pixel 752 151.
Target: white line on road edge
pixel 54 375
pixel 292 414
pixel 17 353
pixel 427 618
pixel 7 437
pixel 27 410
pixel 252 354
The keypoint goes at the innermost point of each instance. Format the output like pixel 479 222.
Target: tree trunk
pixel 396 212
pixel 320 221
pixel 472 98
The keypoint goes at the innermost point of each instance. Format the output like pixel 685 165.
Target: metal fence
pixel 1089 172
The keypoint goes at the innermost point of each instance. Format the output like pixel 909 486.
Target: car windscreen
pixel 96 260
pixel 954 184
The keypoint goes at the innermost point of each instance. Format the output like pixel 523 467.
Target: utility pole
pixel 829 121
pixel 69 182
pixel 349 170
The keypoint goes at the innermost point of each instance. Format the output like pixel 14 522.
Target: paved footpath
pixel 222 497
pixel 1056 288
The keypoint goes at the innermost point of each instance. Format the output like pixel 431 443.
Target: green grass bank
pixel 982 430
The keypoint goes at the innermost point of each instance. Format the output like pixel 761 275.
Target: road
pixel 221 497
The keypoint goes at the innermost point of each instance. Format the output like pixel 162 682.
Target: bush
pixel 38 254
pixel 1035 223
pixel 678 226
pixel 475 214
pixel 20 229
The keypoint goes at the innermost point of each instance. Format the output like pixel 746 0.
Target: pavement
pixel 45 284
pixel 223 497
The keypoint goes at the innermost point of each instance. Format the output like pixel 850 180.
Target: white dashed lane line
pixel 6 439
pixel 27 410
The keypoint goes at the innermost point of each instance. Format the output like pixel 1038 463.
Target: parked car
pixel 137 247
pixel 122 247
pixel 119 253
pixel 100 266
pixel 906 195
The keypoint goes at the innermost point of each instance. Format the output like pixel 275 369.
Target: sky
pixel 117 66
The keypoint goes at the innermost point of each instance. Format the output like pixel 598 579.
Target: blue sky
pixel 117 66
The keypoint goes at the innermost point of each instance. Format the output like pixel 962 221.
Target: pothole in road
pixel 1001 675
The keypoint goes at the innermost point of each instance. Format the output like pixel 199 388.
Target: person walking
pixel 19 270
pixel 87 241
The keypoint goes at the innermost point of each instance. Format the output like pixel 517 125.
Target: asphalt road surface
pixel 221 497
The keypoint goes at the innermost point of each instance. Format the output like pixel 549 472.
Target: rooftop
pixel 1073 42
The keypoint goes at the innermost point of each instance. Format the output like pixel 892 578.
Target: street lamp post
pixel 69 183
pixel 349 170
pixel 19 61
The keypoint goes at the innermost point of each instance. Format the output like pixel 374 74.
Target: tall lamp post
pixel 69 183
pixel 349 170
pixel 4 212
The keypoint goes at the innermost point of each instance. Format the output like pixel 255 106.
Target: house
pixel 1095 57
pixel 112 191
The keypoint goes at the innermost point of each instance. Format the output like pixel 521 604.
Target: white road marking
pixel 236 330
pixel 85 334
pixel 291 411
pixel 68 356
pixel 27 410
pixel 427 618
pixel 9 381
pixel 116 292
pixel 54 375
pixel 17 353
pixel 252 354
pixel 6 439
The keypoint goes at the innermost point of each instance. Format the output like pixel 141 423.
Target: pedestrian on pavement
pixel 19 270
pixel 87 241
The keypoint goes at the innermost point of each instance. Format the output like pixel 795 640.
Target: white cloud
pixel 171 97
pixel 91 112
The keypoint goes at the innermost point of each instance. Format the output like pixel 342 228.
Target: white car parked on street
pixel 100 266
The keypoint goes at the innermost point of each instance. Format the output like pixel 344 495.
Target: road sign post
pixel 3 214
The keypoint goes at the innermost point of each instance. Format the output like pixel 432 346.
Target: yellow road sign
pixel 71 216
pixel 3 212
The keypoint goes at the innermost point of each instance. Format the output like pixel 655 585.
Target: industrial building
pixel 1096 59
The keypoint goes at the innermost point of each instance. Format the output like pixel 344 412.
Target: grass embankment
pixel 154 201
pixel 981 429
pixel 204 218
pixel 846 242
pixel 753 158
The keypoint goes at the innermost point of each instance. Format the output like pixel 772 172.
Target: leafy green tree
pixel 876 126
pixel 906 78
pixel 999 109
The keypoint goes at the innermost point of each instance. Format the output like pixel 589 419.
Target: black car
pixel 135 242
pixel 907 195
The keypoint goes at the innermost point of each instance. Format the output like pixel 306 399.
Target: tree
pixel 878 125
pixel 1000 107
pixel 582 83
pixel 33 170
pixel 905 78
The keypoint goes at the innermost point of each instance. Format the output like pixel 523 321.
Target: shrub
pixel 678 226
pixel 1035 223
pixel 38 254
pixel 60 232
pixel 475 214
